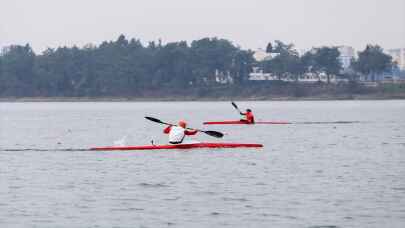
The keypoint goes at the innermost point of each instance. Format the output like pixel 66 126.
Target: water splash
pixel 120 142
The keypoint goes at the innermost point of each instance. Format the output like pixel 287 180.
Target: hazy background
pixel 251 24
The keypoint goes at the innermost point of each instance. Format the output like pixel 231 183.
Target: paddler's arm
pixel 167 129
pixel 190 132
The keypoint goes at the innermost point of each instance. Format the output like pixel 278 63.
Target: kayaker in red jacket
pixel 249 118
pixel 178 133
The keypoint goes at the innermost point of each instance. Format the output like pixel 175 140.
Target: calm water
pixel 307 175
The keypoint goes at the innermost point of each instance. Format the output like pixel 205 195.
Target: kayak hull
pixel 181 146
pixel 235 122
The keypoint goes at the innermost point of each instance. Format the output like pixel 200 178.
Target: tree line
pixel 129 68
pixel 372 61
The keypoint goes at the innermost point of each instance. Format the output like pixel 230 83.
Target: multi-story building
pixel 398 56
pixel 347 53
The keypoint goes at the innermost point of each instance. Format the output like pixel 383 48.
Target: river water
pixel 307 175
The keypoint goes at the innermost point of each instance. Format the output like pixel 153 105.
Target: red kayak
pixel 230 122
pixel 181 146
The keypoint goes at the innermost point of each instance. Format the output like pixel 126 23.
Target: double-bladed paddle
pixel 210 133
pixel 236 107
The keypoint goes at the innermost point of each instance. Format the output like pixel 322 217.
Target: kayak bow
pixel 230 122
pixel 181 146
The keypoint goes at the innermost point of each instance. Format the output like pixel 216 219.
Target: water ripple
pixel 152 185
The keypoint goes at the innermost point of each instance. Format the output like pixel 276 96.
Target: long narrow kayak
pixel 181 146
pixel 243 122
pixel 238 122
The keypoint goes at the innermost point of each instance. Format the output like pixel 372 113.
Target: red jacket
pixel 249 117
pixel 186 132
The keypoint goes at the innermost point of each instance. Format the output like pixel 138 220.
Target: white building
pixel 347 53
pixel 301 52
pixel 261 55
pixel 259 75
pixel 398 56
pixel 223 77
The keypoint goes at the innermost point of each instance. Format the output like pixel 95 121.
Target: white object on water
pixel 120 142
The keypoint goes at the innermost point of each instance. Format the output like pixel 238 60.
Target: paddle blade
pixel 234 105
pixel 215 134
pixel 153 119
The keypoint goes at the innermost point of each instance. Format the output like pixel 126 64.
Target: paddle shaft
pixel 210 133
pixel 236 107
pixel 159 121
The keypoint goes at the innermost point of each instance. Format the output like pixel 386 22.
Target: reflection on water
pixel 342 166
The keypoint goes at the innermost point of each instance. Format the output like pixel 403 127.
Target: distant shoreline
pixel 207 99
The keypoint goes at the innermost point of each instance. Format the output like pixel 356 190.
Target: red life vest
pixel 249 117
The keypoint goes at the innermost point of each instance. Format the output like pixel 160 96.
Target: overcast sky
pixel 248 23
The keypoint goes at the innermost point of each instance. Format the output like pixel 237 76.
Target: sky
pixel 250 24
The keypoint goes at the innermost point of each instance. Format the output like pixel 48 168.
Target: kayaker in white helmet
pixel 178 133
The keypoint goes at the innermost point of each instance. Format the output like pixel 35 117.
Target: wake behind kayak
pixel 236 122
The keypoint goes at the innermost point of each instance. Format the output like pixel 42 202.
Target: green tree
pixel 242 65
pixel 210 56
pixel 17 71
pixel 372 61
pixel 284 49
pixel 323 60
pixel 287 64
pixel 269 48
pixel 173 65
